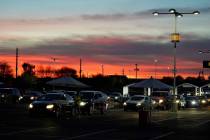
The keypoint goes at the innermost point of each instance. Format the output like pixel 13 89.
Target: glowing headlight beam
pixel 50 106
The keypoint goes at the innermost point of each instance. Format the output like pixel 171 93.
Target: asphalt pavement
pixel 15 123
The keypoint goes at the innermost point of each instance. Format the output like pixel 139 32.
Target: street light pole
pixel 155 67
pixel 175 38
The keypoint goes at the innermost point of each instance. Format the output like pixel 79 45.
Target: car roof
pixel 58 93
pixel 139 96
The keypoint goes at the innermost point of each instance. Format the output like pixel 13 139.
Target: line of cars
pixel 56 102
pixel 63 103
pixel 137 102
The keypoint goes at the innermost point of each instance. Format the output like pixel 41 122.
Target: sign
pixel 206 64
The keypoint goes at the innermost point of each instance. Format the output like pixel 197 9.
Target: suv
pixel 93 100
pixel 9 95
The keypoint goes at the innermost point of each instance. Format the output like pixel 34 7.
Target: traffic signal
pixel 206 64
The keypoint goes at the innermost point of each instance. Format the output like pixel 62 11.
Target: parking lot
pixel 15 123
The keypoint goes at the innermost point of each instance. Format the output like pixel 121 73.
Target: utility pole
pixel 123 72
pixel 102 69
pixel 16 69
pixel 136 70
pixel 80 68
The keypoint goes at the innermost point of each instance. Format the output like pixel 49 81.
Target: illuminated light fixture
pixel 138 104
pixel 203 101
pixel 175 37
pixel 50 106
pixel 179 15
pixel 196 12
pixel 193 102
pixel 155 13
pixel 32 97
pixel 177 101
pixel 124 103
pixel 31 106
pixel 160 101
pixel 82 103
pixel 172 10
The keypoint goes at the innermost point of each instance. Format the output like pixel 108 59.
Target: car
pixel 56 104
pixel 138 102
pixel 203 101
pixel 178 101
pixel 93 100
pixel 116 97
pixel 10 95
pixel 191 102
pixel 71 93
pixel 160 99
pixel 208 98
pixel 30 96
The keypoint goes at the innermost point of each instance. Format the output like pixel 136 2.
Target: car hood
pixel 45 102
pixel 134 102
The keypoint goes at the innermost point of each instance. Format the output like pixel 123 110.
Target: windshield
pixel 115 94
pixel 208 95
pixel 5 91
pixel 191 98
pixel 86 95
pixel 137 98
pixel 159 94
pixel 51 97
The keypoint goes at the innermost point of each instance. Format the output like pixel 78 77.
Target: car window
pixel 135 98
pixel 97 96
pixel 68 97
pixel 51 97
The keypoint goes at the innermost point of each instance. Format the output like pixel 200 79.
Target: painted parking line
pixel 166 119
pixel 90 134
pixel 201 123
pixel 162 136
pixel 26 131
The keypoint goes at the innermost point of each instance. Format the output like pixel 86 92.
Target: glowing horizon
pixel 102 33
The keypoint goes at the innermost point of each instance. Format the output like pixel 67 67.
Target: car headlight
pixel 124 104
pixel 2 95
pixel 153 102
pixel 177 101
pixel 116 98
pixel 203 101
pixel 32 97
pixel 30 106
pixel 160 101
pixel 138 104
pixel 50 106
pixel 20 98
pixel 193 102
pixel 82 103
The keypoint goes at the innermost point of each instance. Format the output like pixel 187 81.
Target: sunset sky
pixel 114 33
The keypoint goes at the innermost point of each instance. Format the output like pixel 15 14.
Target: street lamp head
pixel 172 10
pixel 155 13
pixel 179 15
pixel 196 12
pixel 200 52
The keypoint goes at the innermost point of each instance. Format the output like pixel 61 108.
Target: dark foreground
pixel 115 124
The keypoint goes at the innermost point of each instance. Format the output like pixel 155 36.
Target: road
pixel 115 124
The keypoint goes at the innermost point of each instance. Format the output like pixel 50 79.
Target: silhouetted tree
pixel 5 70
pixel 66 72
pixel 28 76
pixel 28 68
